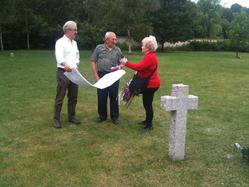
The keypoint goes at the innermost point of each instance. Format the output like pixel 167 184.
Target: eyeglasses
pixel 75 30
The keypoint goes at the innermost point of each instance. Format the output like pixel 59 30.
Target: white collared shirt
pixel 66 50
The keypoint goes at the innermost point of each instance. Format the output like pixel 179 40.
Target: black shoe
pixel 115 121
pixel 148 128
pixel 142 122
pixel 74 121
pixel 57 124
pixel 100 120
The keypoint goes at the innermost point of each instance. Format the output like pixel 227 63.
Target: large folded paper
pixel 107 80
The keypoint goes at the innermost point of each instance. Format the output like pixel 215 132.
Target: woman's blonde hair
pixel 150 42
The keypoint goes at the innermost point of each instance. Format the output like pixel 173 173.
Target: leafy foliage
pixel 37 23
pixel 239 34
pixel 209 18
pixel 173 21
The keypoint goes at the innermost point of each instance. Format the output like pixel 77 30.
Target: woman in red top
pixel 144 68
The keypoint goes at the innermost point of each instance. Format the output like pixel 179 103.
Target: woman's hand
pixel 123 61
pixel 116 68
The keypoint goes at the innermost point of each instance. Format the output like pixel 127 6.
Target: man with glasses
pixel 104 57
pixel 67 57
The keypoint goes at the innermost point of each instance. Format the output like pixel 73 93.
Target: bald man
pixel 104 57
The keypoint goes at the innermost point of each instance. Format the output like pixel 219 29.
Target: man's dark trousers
pixel 112 92
pixel 64 84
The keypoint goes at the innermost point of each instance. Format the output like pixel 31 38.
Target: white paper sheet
pixel 107 80
pixel 77 78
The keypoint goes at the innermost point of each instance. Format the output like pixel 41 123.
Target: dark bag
pixel 137 83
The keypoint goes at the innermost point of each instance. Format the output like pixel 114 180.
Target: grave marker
pixel 178 103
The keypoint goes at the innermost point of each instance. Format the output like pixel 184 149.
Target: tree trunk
pixel 162 49
pixel 237 54
pixel 1 38
pixel 27 28
pixel 28 44
pixel 129 36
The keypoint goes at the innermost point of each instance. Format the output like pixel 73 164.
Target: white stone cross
pixel 178 104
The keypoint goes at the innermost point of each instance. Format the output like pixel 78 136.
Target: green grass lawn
pixel 33 153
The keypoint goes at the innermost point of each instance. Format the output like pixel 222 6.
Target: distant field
pixel 33 153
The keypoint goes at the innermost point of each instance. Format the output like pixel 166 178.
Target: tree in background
pixel 173 21
pixel 7 20
pixel 38 23
pixel 132 18
pixel 99 17
pixel 236 8
pixel 89 35
pixel 28 20
pixel 239 34
pixel 3 15
pixel 208 19
pixel 227 17
pixel 54 14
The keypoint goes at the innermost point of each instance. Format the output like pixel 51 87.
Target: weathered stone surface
pixel 179 104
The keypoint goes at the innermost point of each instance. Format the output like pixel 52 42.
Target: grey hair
pixel 150 42
pixel 108 34
pixel 69 25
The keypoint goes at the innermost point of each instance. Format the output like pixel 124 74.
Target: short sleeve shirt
pixel 105 58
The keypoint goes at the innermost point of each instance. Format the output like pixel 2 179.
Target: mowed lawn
pixel 33 153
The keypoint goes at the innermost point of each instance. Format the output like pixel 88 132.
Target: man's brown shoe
pixel 74 121
pixel 57 124
pixel 115 121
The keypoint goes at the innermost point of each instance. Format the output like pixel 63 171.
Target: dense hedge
pixel 13 41
pixel 211 46
pixel 222 45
